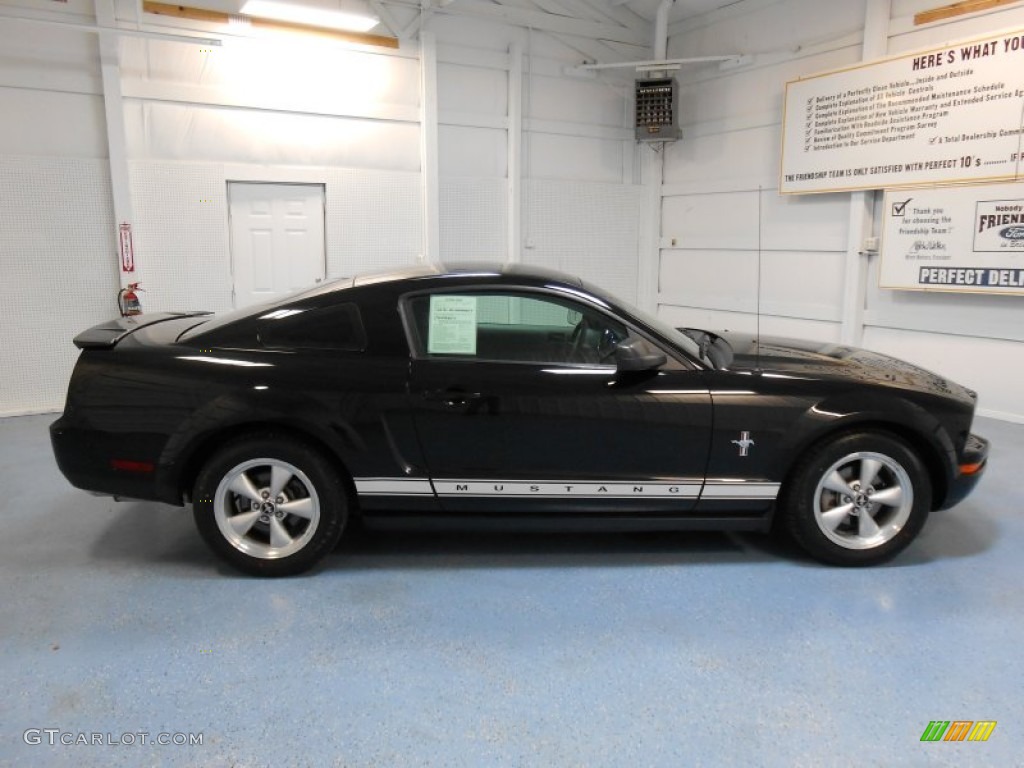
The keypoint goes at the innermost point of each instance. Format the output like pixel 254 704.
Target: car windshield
pixel 659 326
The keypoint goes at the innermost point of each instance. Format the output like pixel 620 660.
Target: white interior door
pixel 277 239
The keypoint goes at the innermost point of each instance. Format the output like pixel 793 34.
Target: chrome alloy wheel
pixel 266 508
pixel 863 500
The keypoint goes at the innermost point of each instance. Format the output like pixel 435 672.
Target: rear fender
pixel 208 427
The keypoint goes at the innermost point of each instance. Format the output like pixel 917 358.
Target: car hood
pixel 813 359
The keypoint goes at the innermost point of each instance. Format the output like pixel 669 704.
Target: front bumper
pixel 970 468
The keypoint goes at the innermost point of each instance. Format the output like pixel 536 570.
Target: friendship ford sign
pixel 968 239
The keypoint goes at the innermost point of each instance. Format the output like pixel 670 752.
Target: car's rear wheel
pixel 859 499
pixel 270 505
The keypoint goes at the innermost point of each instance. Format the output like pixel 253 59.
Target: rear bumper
pixel 108 464
pixel 971 466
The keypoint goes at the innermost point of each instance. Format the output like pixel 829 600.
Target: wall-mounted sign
pixel 125 247
pixel 951 114
pixel 965 239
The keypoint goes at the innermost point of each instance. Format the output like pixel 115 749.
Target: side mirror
pixel 630 357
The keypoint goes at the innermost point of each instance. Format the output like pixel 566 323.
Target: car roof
pixel 525 272
pixel 471 273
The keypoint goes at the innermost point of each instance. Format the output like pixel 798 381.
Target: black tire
pixel 259 533
pixel 827 517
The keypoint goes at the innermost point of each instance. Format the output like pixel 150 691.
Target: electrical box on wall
pixel 657 109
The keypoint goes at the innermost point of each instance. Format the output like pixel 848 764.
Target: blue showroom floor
pixel 527 650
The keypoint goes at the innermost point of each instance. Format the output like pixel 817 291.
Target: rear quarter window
pixel 338 327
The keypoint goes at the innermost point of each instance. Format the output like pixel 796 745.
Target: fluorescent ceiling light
pixel 304 14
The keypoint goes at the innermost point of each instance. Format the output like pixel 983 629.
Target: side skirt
pixel 561 523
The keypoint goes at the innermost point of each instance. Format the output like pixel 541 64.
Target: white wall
pixel 350 119
pixel 56 222
pixel 708 262
pixel 196 118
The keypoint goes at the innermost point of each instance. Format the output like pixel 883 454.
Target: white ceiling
pixel 644 8
pixel 625 24
pixel 682 9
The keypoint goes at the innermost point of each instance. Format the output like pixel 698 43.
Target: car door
pixel 519 407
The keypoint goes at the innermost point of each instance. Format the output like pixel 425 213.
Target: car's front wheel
pixel 859 499
pixel 270 505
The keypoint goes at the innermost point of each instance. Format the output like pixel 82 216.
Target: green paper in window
pixel 452 328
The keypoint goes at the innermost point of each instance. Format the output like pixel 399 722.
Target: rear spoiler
pixel 106 335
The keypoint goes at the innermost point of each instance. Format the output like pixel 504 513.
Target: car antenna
pixel 757 337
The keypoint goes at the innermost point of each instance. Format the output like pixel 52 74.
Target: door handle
pixel 454 398
pixel 461 401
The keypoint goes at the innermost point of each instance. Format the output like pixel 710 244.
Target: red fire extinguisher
pixel 128 300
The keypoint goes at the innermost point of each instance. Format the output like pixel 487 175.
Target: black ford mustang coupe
pixel 505 395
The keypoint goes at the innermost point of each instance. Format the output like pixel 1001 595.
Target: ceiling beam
pixel 387 18
pixel 545 22
pixel 216 17
pixel 88 26
pixel 958 9
pixel 592 50
pixel 620 13
pixel 690 24
pixel 564 8
pixel 529 5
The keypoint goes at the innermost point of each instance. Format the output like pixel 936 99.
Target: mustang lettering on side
pixel 507 396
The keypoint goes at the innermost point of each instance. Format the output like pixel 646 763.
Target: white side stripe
pixel 683 488
pixel 739 490
pixel 393 486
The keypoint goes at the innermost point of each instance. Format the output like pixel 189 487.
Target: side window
pixel 509 327
pixel 338 328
